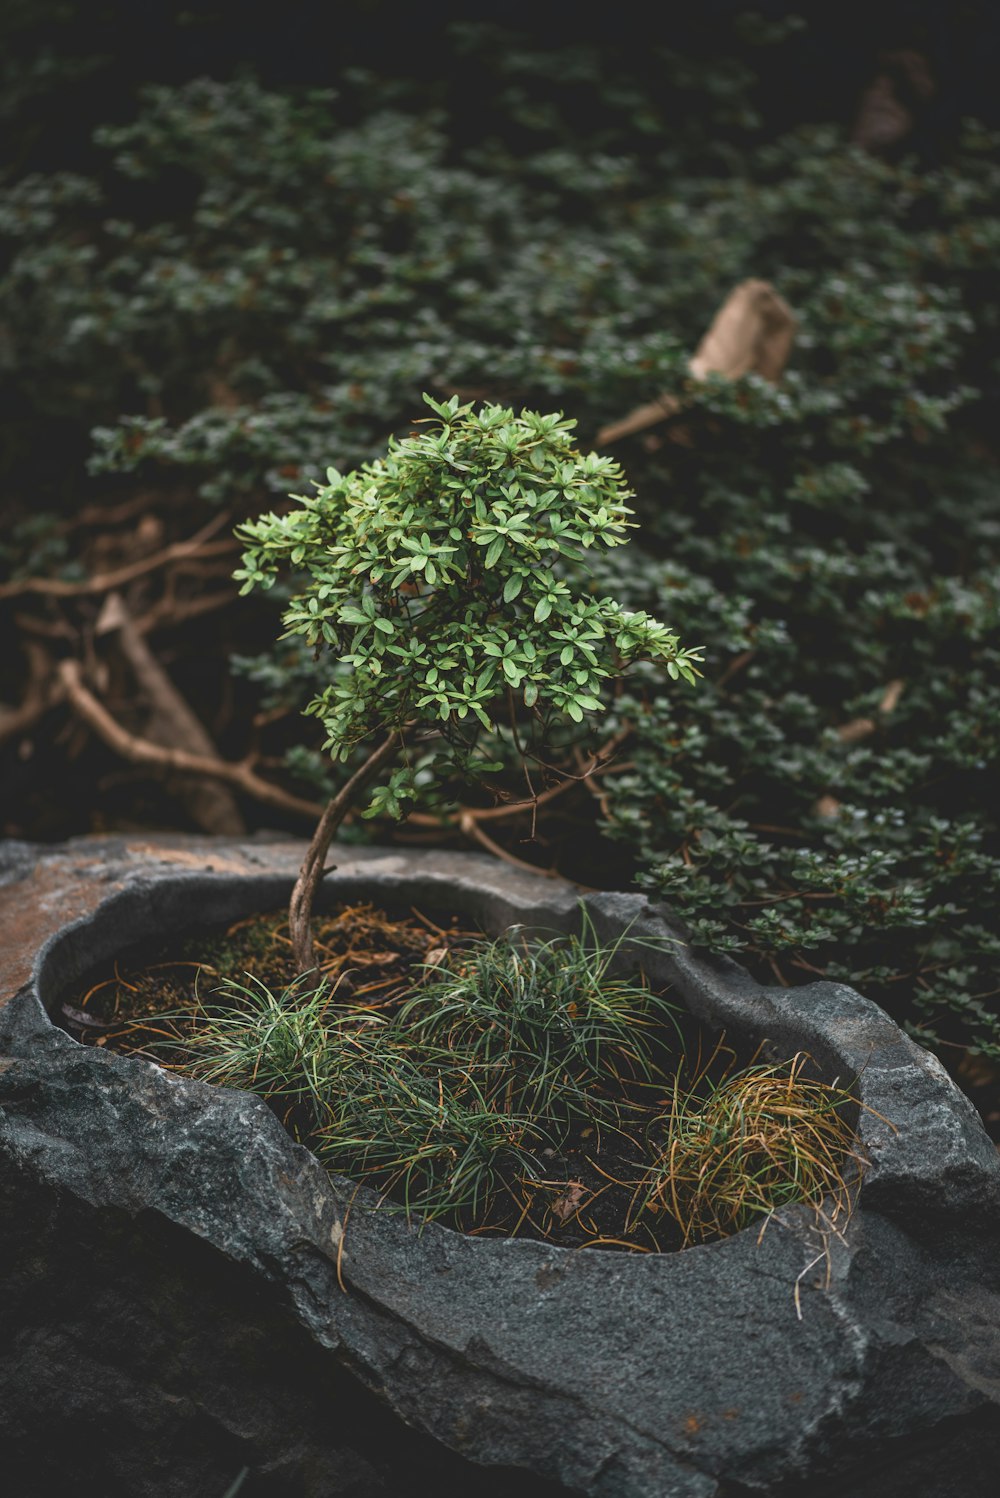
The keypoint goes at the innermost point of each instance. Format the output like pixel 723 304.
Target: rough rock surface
pixel 170 1308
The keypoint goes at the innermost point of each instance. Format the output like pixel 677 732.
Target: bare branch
pixel 480 814
pixel 103 582
pixel 177 761
pixel 172 723
pixel 172 611
pixel 43 692
pixel 470 826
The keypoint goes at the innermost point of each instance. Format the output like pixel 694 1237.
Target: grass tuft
pixel 760 1138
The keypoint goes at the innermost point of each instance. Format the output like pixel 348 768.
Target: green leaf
pixel 400 547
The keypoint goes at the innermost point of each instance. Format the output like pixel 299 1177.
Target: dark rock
pixel 171 1307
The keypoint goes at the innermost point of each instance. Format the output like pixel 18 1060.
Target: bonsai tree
pixel 444 590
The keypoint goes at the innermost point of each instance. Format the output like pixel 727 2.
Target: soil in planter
pixel 375 957
pixel 583 1188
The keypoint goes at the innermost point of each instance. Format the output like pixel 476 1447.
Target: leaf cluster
pixel 450 577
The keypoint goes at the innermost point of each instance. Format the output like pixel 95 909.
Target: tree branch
pixel 471 828
pixel 479 814
pixel 751 332
pixel 103 582
pixel 172 723
pixel 43 692
pixel 178 761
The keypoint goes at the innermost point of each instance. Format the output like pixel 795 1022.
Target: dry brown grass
pixel 762 1137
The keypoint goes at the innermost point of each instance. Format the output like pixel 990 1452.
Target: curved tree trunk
pixel 306 885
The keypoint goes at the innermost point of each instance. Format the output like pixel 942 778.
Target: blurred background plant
pixel 231 259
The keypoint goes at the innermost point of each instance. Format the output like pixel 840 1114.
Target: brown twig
pixel 167 612
pixel 600 766
pixel 480 814
pixel 46 629
pixel 807 967
pixel 269 715
pixel 43 692
pixel 599 794
pixel 170 611
pixel 735 666
pixel 178 761
pixel 172 723
pixel 601 756
pixel 103 582
pixel 106 517
pixel 776 970
pixel 471 828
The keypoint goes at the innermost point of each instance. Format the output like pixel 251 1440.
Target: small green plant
pixel 449 582
pixel 487 1070
pixel 272 1043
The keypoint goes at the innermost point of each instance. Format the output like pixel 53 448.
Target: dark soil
pixel 375 957
pixel 147 1001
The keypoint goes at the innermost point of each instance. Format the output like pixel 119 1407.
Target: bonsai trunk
pixel 306 885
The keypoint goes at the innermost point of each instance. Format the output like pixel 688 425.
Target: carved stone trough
pixel 187 1293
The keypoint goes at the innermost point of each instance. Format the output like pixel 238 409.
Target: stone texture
pixel 169 1258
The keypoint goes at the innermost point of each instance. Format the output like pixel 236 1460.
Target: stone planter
pixel 179 1277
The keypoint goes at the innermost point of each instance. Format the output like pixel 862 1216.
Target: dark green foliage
pixel 263 281
pixel 873 860
pixel 448 579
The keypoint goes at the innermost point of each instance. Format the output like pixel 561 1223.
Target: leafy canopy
pixel 450 578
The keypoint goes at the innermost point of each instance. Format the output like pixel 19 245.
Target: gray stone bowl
pixel 865 1362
